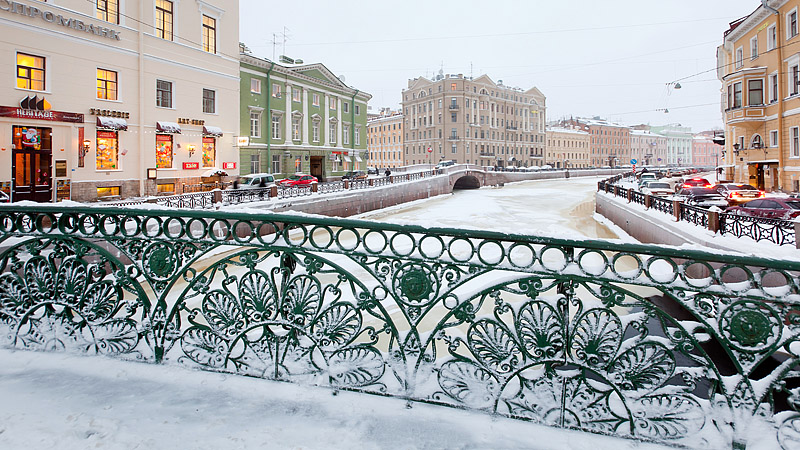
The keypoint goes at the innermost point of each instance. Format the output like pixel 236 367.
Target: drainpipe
pixel 143 180
pixel 781 105
pixel 268 120
pixel 353 124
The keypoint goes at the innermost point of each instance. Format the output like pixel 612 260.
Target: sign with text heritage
pixel 53 116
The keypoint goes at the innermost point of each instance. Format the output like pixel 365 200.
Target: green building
pixel 299 118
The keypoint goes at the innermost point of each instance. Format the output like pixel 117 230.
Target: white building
pixel 115 97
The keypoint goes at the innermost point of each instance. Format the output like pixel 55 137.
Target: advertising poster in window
pixel 62 190
pixel 163 151
pixel 107 150
pixel 31 138
pixel 209 151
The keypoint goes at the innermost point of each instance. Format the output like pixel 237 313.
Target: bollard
pixel 676 210
pixel 346 184
pixel 713 221
pixel 646 201
pixel 217 196
pixel 630 195
pixel 314 187
pixel 273 192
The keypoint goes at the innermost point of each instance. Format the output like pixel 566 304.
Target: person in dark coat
pixel 388 172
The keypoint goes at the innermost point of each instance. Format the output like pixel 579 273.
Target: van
pixel 256 180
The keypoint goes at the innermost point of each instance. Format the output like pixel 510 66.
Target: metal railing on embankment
pixel 677 346
pixel 781 232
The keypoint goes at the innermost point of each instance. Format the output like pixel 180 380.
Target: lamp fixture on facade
pixel 190 149
pixel 736 149
pixel 87 144
pixel 677 85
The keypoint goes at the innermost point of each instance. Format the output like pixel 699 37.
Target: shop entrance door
pixel 316 167
pixel 32 159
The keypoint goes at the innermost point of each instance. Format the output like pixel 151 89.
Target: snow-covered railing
pixel 652 343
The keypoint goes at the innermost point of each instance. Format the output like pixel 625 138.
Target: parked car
pixel 256 180
pixel 445 164
pixel 298 179
pixel 355 175
pixel 738 193
pixel 702 196
pixel 372 170
pixel 692 182
pixel 657 188
pixel 770 208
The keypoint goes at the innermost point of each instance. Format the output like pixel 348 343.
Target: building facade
pixel 299 119
pixel 116 98
pixel 567 147
pixel 648 148
pixel 679 143
pixel 610 143
pixel 385 145
pixel 472 121
pixel 705 152
pixel 759 67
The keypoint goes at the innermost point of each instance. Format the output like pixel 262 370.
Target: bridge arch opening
pixel 467 182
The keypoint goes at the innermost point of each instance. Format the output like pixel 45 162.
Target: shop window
pixel 209 34
pixel 163 151
pixel 106 84
pixel 108 10
pixel 164 19
pixel 107 150
pixel 30 72
pixel 109 191
pixel 209 101
pixel 82 147
pixel 209 151
pixel 163 94
pixel 165 188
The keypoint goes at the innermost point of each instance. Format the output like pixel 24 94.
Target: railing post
pixel 630 194
pixel 713 221
pixel 676 210
pixel 391 179
pixel 346 184
pixel 796 234
pixel 314 187
pixel 371 182
pixel 216 196
pixel 647 201
pixel 607 187
pixel 273 192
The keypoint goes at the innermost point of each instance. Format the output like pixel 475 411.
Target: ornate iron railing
pixel 659 344
pixel 295 191
pixel 781 232
pixel 663 205
pixel 200 200
pixel 236 196
pixel 359 184
pixel 694 215
pixel 333 186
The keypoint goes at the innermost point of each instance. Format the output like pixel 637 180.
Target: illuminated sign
pixel 55 116
pixel 191 165
pixel 243 141
pixel 229 165
pixel 57 19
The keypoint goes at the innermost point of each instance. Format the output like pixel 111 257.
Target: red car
pixel 770 208
pixel 298 179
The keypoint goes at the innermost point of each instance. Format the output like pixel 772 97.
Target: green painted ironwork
pixel 650 343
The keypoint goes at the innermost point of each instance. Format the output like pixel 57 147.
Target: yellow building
pixel 759 66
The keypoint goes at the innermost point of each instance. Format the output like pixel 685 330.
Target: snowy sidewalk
pixel 51 400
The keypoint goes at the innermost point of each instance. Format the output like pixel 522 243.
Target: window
pixel 107 151
pixel 30 72
pixel 255 163
pixel 255 124
pixel 791 24
pixel 296 95
pixel 209 152
pixel 110 191
pixel 164 19
pixel 346 134
pixel 358 110
pixel 209 34
pixel 276 163
pixel 332 133
pixel 772 38
pixel 209 101
pixel 755 90
pixel 106 84
pixel 739 58
pixel 333 103
pixel 276 90
pixel 296 128
pixel 453 86
pixel 754 47
pixel 315 100
pixel 108 10
pixel 276 127
pixel 315 131
pixel 795 142
pixel 163 151
pixel 773 138
pixel 773 88
pixel 454 148
pixel 345 107
pixel 358 135
pixel 737 95
pixel 255 85
pixel 163 94
pixel 794 79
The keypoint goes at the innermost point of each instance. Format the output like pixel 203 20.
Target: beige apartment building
pixel 567 147
pixel 759 67
pixel 116 98
pixel 472 121
pixel 648 148
pixel 385 140
pixel 610 144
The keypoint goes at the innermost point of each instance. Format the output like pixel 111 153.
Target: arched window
pixel 756 142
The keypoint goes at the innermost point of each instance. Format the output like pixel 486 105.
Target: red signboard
pixel 191 165
pixel 229 165
pixel 53 116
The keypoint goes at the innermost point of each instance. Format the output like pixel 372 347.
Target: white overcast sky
pixel 611 58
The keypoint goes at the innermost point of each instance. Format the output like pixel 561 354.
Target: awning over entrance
pixel 358 159
pixel 214 172
pixel 212 131
pixel 112 123
pixel 765 161
pixel 347 158
pixel 168 127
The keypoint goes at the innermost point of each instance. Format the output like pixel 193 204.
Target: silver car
pixel 256 180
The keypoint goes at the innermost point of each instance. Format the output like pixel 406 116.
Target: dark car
pixel 702 196
pixel 372 170
pixel 298 179
pixel 355 175
pixel 738 193
pixel 692 182
pixel 770 208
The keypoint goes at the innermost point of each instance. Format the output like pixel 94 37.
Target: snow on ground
pixel 79 402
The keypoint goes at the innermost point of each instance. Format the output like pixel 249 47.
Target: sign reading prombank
pixel 57 19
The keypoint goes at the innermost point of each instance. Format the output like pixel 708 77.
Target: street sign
pixel 430 149
pixel 633 161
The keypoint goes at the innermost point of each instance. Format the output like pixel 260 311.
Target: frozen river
pixel 551 207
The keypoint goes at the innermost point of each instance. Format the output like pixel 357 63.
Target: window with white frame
pixel 773 138
pixel 276 126
pixel 209 101
pixel 794 78
pixel 255 163
pixel 791 24
pixel 755 92
pixel 754 47
pixel 332 133
pixel 276 90
pixel 333 101
pixel 358 110
pixel 163 94
pixel 315 99
pixel 739 62
pixel 345 107
pixel 357 132
pixel 296 128
pixel 345 134
pixel 255 85
pixel 756 142
pixel 795 142
pixel 772 37
pixel 276 163
pixel 315 131
pixel 773 87
pixel 255 124
pixel 296 95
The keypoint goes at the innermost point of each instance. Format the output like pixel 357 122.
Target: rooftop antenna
pixel 470 70
pixel 274 43
pixel 285 38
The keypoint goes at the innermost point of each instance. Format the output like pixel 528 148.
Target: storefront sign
pixel 109 113
pixel 57 19
pixel 243 141
pixel 191 121
pixel 229 165
pixel 191 165
pixel 53 116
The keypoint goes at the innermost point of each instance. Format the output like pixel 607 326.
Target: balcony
pixel 453 137
pixel 454 106
pixel 754 113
